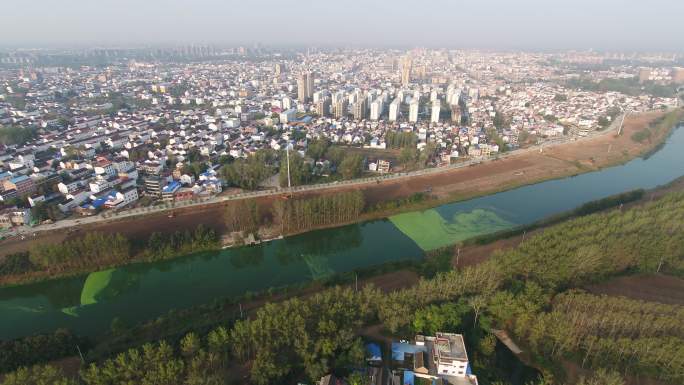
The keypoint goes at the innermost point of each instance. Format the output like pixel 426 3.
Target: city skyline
pixel 529 25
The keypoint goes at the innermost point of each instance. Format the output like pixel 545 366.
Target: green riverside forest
pixel 533 291
pixel 97 250
pixel 303 214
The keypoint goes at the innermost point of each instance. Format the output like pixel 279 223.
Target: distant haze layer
pixel 522 24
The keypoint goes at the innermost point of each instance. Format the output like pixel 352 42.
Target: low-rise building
pixel 123 198
pixel 22 184
pixel 154 185
pixel 14 216
pixel 170 190
pixel 442 357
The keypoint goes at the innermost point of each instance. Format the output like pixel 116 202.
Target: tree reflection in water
pixel 318 243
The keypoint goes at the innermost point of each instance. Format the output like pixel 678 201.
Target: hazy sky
pixel 531 24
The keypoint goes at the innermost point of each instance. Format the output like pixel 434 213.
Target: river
pixel 87 304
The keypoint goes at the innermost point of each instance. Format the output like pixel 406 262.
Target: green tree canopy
pixel 317 148
pixel 351 167
pixel 17 135
pixel 249 173
pixel 300 171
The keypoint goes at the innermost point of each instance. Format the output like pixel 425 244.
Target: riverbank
pixel 480 249
pixel 188 217
pixel 518 170
pixel 387 277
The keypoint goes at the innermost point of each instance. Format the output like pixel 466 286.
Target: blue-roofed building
pixel 399 350
pixel 307 119
pixel 171 187
pixel 18 179
pixel 100 202
pixel 409 378
pixel 169 190
pixel 373 353
pixel 22 183
pixel 5 176
pixel 210 174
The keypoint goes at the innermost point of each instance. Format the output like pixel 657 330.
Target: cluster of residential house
pixel 88 168
pixel 109 135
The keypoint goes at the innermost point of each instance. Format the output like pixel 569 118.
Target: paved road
pixel 109 216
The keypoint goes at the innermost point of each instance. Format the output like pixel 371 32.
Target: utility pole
pixel 622 122
pixel 458 254
pixel 241 317
pixel 287 151
pixel 356 281
pixel 523 238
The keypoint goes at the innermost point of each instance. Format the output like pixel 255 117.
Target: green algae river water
pixel 87 304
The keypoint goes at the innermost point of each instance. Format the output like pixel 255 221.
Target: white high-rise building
pixel 354 97
pixel 337 96
pixel 309 85
pixel 371 96
pixel 305 87
pixel 413 110
pixel 454 96
pixel 401 95
pixel 317 96
pixel 376 109
pixel 436 107
pixel 406 65
pixel 301 87
pixel 287 103
pixel 394 109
